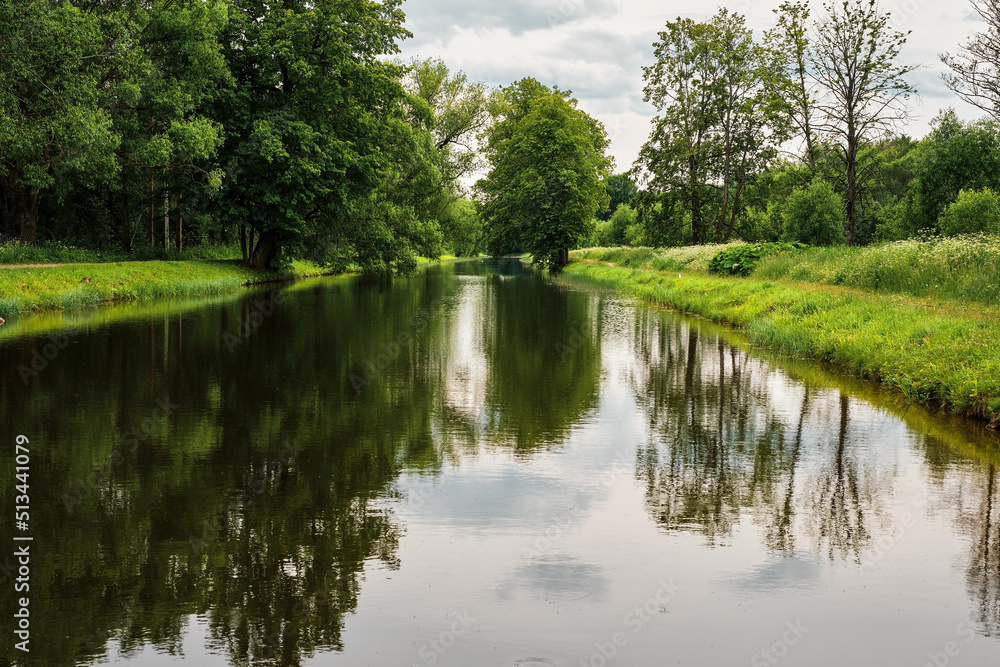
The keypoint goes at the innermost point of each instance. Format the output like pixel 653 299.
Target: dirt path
pixel 28 266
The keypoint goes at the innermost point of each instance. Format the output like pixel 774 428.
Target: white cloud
pixel 597 49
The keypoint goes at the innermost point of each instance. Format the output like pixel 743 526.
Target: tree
pixel 459 114
pixel 52 120
pixel 975 211
pixel 718 124
pixel 975 70
pixel 546 181
pixel 814 215
pixel 956 156
pixel 862 90
pixel 788 45
pixel 622 189
pixel 312 107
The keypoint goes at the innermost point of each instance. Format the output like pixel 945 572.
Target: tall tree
pixel 718 124
pixel 548 167
pixel 788 44
pixel 975 70
pixel 53 122
pixel 313 105
pixel 863 90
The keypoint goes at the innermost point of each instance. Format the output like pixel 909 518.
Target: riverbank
pixel 943 352
pixel 31 289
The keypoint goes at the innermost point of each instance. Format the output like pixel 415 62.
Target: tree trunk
pixel 267 250
pixel 5 210
pixel 27 214
pixel 166 221
pixel 152 216
pixel 851 186
pixel 180 225
pixel 563 257
pixel 126 227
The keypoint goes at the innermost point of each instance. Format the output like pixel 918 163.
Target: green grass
pixel 689 258
pixel 928 352
pixel 958 269
pixel 25 290
pixel 56 253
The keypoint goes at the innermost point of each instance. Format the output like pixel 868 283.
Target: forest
pixel 139 128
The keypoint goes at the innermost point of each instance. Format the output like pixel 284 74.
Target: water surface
pixel 478 466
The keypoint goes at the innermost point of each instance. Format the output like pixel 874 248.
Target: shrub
pixel 623 218
pixel 741 260
pixel 814 215
pixel 973 212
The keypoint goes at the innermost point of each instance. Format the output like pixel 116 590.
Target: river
pixel 479 466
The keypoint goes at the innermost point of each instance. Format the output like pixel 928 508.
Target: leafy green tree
pixel 53 117
pixel 862 91
pixel 548 167
pixel 974 211
pixel 956 156
pixel 463 229
pixel 814 215
pixel 312 106
pixel 791 85
pixel 622 189
pixel 460 112
pixel 718 125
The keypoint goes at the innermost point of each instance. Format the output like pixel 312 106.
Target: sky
pixel 597 49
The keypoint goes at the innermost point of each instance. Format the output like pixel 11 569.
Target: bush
pixel 814 215
pixel 743 259
pixel 623 218
pixel 975 211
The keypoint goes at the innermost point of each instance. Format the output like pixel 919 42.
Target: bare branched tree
pixel 975 70
pixel 862 87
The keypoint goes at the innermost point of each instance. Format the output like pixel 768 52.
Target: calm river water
pixel 479 467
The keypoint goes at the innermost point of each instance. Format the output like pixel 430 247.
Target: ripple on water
pixel 535 662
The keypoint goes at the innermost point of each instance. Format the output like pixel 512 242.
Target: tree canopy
pixel 547 174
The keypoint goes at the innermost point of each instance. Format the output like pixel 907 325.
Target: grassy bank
pixel 25 290
pixel 928 351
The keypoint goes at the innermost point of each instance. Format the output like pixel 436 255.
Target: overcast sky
pixel 597 49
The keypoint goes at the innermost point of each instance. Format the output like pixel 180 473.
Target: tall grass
pixel 25 290
pixel 963 268
pixel 57 253
pixel 688 258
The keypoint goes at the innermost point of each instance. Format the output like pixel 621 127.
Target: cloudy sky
pixel 597 48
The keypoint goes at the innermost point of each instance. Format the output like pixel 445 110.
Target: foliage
pixel 862 89
pixel 687 258
pixel 622 189
pixel 964 268
pixel 741 260
pixel 814 215
pixel 546 180
pixel 719 123
pixel 974 211
pixel 462 229
pixel 956 156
